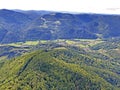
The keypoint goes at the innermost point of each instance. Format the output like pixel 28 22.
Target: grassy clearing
pixel 19 44
pixel 75 42
pixel 3 58
pixel 31 43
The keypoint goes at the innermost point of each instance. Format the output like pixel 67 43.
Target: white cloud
pixel 96 6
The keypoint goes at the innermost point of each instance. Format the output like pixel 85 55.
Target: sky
pixel 80 6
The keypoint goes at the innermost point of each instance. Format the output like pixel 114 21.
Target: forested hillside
pixel 16 25
pixel 63 65
pixel 44 50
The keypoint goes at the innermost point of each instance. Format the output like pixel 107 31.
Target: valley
pixel 47 50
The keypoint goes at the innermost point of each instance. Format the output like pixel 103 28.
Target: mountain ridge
pixel 41 70
pixel 43 25
pixel 60 64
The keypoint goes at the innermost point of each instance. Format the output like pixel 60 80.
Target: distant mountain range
pixel 17 25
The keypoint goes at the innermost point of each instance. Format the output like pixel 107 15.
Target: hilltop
pixel 63 64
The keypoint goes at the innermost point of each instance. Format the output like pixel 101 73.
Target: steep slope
pixel 11 25
pixel 56 69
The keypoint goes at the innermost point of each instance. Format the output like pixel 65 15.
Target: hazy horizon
pixel 77 6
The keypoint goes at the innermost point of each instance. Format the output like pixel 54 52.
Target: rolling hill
pixel 64 65
pixel 43 50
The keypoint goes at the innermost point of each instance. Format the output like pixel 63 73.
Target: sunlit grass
pixel 31 43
